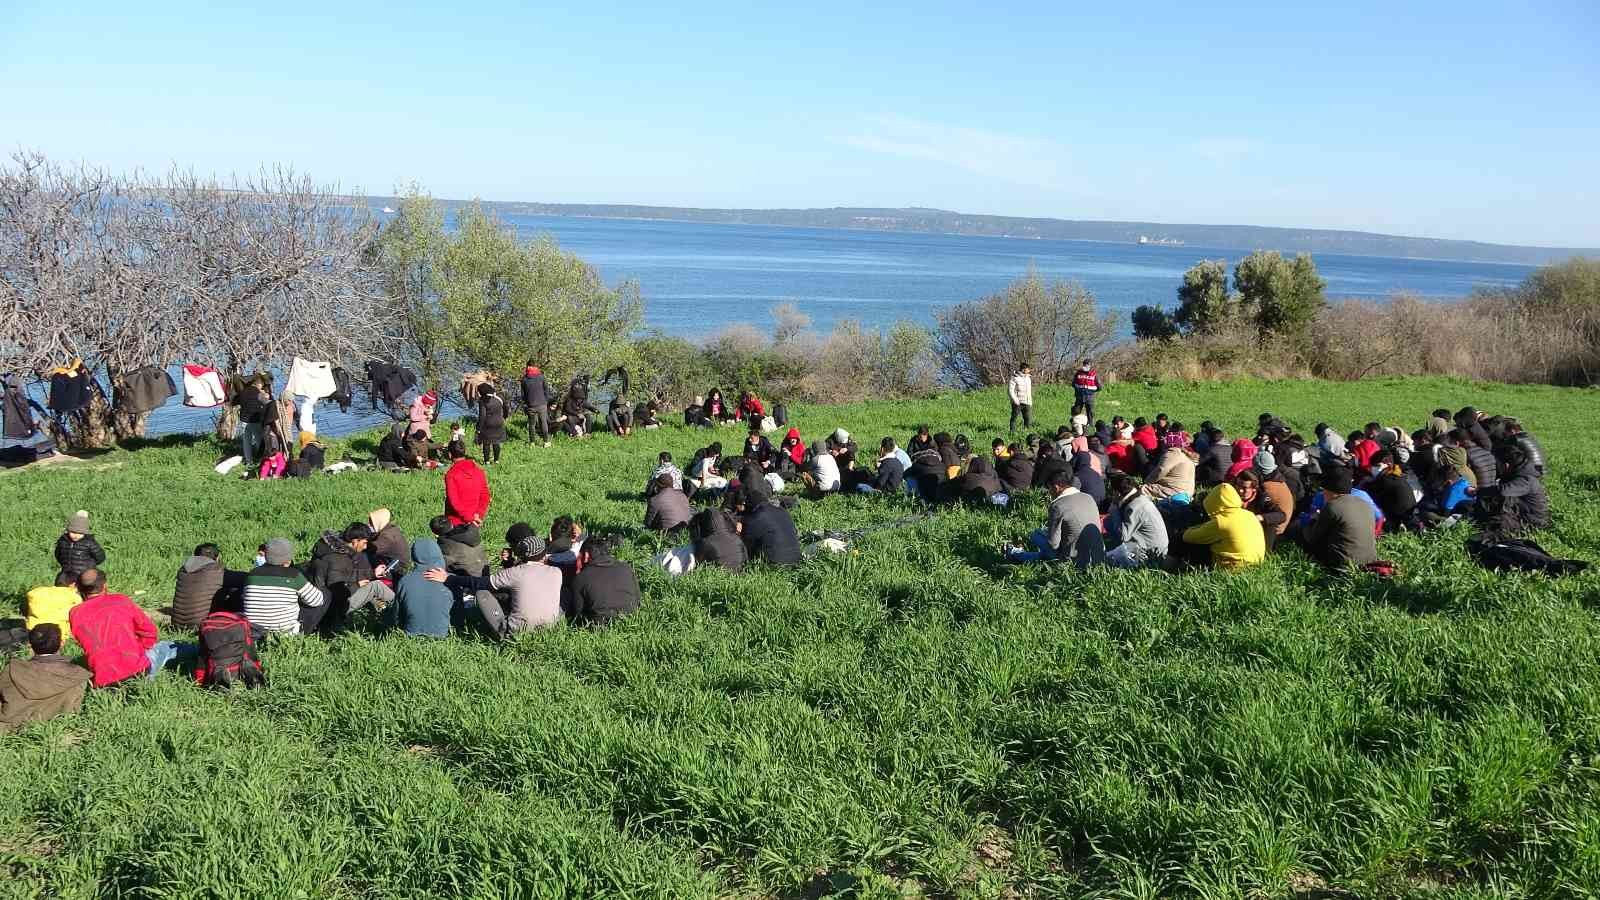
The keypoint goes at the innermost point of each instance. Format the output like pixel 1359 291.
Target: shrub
pixel 1052 326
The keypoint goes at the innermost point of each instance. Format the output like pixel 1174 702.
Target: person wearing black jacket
pixel 1048 464
pixel 716 540
pixel 1517 502
pixel 768 530
pixel 491 429
pixel 891 475
pixel 1479 458
pixel 605 588
pixel 1215 462
pixel 1016 470
pixel 76 550
pixel 537 402
pixel 758 449
pixel 341 570
pixel 1089 481
pixel 1466 419
pixel 254 403
pixel 979 483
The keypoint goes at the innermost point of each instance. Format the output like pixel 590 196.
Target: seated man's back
pixel 43 686
pixel 606 588
pixel 114 633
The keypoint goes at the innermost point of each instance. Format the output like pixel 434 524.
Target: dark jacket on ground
pixel 40 688
pixel 718 544
pixel 1341 535
pixel 769 534
pixel 77 557
pixel 606 590
pixel 336 567
pixel 666 510
pixel 1016 472
pixel 891 475
pixel 462 547
pixel 204 586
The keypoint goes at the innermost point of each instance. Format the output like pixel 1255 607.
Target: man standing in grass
pixel 1020 390
pixel 466 489
pixel 1085 385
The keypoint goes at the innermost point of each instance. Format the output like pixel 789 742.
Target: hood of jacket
pixel 43 677
pixel 1244 450
pixel 196 563
pixel 426 554
pixel 531 372
pixel 330 544
pixel 379 519
pixel 1221 499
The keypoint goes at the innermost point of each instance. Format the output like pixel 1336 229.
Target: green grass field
pixel 912 718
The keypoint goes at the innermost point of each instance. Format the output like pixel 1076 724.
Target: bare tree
pixel 1052 326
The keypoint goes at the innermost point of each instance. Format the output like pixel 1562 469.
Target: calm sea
pixel 697 278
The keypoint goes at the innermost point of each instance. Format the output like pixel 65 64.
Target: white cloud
pixel 1007 157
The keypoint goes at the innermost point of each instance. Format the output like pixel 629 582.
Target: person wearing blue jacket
pixel 422 607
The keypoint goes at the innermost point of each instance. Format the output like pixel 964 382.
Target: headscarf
pixel 1244 454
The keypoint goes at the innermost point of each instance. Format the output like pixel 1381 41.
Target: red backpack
pixel 228 653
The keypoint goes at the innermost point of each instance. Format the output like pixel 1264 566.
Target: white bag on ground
pixel 676 561
pixel 229 464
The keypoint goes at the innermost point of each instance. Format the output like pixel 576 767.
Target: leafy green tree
pixel 1204 304
pixel 504 302
pixel 1152 323
pixel 1571 287
pixel 407 254
pixel 1284 296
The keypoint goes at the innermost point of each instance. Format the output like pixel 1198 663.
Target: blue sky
pixel 1466 119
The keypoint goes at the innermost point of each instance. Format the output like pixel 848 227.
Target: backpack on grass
pixel 228 653
pixel 1500 554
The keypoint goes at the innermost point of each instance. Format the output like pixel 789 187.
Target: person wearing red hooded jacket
pixel 466 489
pixel 1244 454
pixel 1144 434
pixel 794 448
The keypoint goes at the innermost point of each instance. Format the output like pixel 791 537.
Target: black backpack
pixel 1500 554
pixel 228 653
pixel 780 414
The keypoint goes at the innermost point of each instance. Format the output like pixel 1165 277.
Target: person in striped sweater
pixel 278 599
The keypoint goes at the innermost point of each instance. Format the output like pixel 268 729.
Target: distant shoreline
pixel 1242 238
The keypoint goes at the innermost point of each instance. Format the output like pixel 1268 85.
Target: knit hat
pixel 79 522
pixel 280 552
pixel 840 436
pixel 530 547
pixel 379 519
pixel 1265 463
pixel 430 398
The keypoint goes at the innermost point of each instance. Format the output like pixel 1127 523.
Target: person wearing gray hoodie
pixel 1134 526
pixel 422 607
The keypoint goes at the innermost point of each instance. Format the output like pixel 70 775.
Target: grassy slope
pixel 913 716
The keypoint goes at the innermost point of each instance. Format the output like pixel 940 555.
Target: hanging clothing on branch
pixel 144 389
pixel 70 388
pixel 18 409
pixel 341 389
pixel 310 379
pixel 203 387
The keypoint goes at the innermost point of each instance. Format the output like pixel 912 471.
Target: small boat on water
pixel 388 209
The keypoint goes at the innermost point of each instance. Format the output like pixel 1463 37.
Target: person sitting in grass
pixel 758 449
pixel 1071 531
pixel 890 475
pixel 278 599
pixel 664 466
pixel 43 686
pixel 667 510
pixel 1134 526
pixel 824 474
pixel 767 529
pixel 606 588
pixel 76 550
pixel 118 639
pixel 1517 502
pixel 716 540
pixel 1340 535
pixel 51 604
pixel 341 569
pixel 565 543
pixel 460 545
pixel 705 472
pixel 534 587
pixel 1016 470
pixel 204 585
pixel 422 607
pixel 1232 532
pixel 418 451
pixel 1259 503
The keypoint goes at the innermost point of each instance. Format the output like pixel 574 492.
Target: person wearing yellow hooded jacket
pixel 1232 532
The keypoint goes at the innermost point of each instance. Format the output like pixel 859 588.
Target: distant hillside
pixel 938 221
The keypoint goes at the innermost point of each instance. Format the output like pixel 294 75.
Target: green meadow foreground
pixel 911 718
